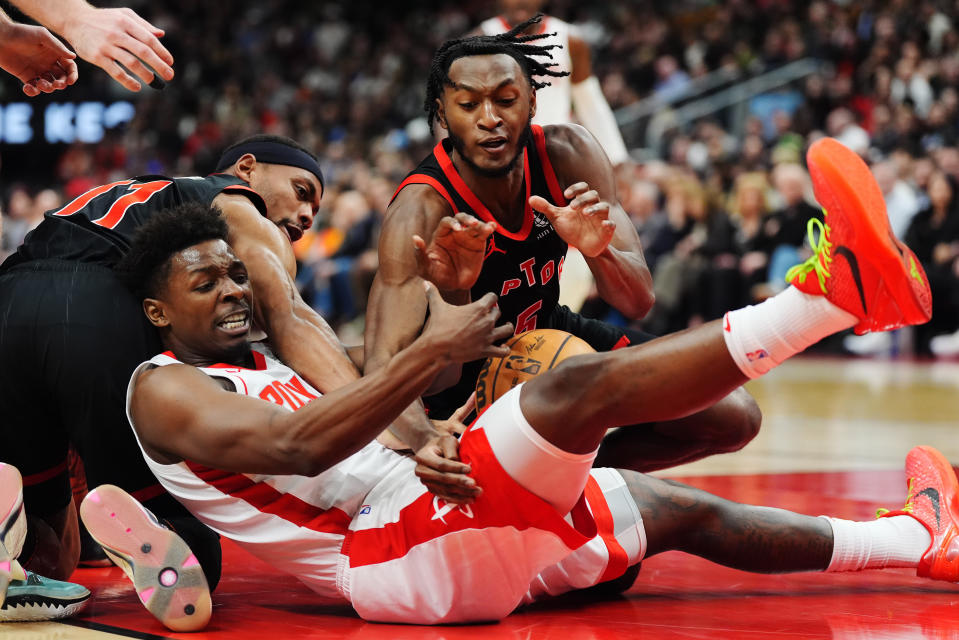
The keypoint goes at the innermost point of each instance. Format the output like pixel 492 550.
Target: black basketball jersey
pixel 521 267
pixel 98 226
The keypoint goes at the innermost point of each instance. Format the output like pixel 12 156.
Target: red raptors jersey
pixel 521 267
pixel 98 226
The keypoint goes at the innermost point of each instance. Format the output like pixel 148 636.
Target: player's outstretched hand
pixel 110 38
pixel 455 425
pixel 36 58
pixel 454 257
pixel 584 223
pixel 465 332
pixel 439 468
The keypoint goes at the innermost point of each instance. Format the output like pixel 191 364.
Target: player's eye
pixel 206 286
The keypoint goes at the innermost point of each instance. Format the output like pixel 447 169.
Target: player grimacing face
pixel 487 112
pixel 205 305
pixel 292 196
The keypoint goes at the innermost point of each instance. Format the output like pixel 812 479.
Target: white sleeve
pixel 594 113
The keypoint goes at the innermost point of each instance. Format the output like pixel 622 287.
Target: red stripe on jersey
pixel 259 362
pixel 622 342
pixel 266 499
pixel 446 164
pixel 618 558
pixel 554 189
pixel 83 199
pixel 504 503
pixel 429 181
pixel 43 476
pixel 148 493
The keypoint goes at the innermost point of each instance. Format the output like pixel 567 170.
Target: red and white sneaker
pixel 166 575
pixel 13 527
pixel 933 500
pixel 860 266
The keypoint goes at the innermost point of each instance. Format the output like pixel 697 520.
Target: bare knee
pixel 736 421
pixel 561 404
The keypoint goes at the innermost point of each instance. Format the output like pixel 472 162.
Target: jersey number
pixel 136 193
pixel 526 321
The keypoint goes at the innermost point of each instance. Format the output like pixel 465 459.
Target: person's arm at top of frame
pixel 298 335
pixel 35 57
pixel 590 104
pixel 108 38
pixel 180 413
pixel 594 222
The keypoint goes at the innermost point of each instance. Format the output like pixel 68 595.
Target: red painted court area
pixel 675 596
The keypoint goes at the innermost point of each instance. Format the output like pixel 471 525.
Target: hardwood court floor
pixel 834 437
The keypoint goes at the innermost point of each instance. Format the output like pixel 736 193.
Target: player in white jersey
pixel 306 489
pixel 576 97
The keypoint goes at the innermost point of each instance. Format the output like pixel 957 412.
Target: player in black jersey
pixel 71 334
pixel 531 192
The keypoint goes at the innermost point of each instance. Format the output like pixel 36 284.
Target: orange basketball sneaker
pixel 860 266
pixel 933 500
pixel 166 575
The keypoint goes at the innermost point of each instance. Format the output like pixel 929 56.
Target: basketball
pixel 531 353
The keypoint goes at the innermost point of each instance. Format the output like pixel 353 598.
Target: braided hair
pixel 512 43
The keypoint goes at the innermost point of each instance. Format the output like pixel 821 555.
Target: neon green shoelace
pixel 908 506
pixel 820 259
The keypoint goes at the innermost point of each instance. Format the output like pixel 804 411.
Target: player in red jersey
pixel 530 192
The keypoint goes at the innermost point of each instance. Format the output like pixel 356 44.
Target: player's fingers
pixel 465 410
pixel 145 46
pixel 433 465
pixel 585 199
pixel 43 85
pixel 71 70
pixel 419 244
pixel 451 495
pixel 543 206
pixel 116 72
pixel 598 209
pixel 133 65
pixel 450 447
pixel 30 90
pixel 574 190
pixel 60 49
pixel 464 218
pixel 154 30
pixel 489 299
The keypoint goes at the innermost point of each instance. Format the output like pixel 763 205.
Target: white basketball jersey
pixel 553 103
pixel 294 523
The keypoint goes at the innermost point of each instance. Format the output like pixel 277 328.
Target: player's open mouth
pixel 239 321
pixel 293 231
pixel 494 144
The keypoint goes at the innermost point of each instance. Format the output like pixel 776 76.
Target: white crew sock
pixel 896 541
pixel 761 336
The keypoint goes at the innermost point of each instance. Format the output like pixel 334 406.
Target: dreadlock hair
pixel 146 266
pixel 511 43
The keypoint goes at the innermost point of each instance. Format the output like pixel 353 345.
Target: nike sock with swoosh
pixel 759 337
pixel 896 541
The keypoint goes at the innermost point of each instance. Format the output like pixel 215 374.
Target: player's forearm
pixel 339 424
pixel 307 344
pixel 624 281
pixel 53 15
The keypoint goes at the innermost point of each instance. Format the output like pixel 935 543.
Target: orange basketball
pixel 531 353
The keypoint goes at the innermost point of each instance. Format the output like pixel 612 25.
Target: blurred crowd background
pixel 717 101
